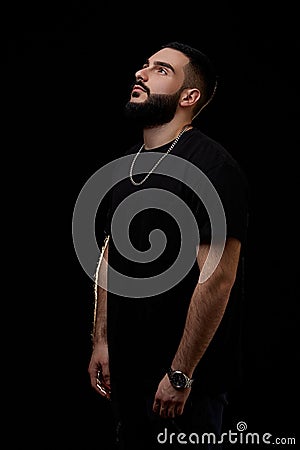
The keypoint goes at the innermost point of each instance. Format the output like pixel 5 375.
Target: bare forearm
pixel 100 317
pixel 207 306
pixel 204 315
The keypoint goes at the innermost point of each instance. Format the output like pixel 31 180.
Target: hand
pixel 99 370
pixel 168 401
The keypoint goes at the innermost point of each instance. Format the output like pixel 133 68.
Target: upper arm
pixel 101 270
pixel 105 254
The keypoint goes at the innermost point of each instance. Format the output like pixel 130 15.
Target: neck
pixel 158 136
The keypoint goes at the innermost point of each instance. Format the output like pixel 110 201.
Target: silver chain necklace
pixel 158 162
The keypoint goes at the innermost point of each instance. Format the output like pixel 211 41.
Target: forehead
pixel 173 57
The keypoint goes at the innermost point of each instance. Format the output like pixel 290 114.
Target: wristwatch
pixel 179 380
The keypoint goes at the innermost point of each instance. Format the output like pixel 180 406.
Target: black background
pixel 67 69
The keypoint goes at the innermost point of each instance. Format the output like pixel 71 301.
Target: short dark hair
pixel 200 73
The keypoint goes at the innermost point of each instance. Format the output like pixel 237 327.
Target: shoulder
pixel 206 151
pixel 210 155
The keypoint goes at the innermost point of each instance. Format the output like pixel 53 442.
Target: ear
pixel 189 97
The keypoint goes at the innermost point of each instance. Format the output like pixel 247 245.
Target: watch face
pixel 178 380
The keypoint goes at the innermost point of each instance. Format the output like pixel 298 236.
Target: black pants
pixel 200 425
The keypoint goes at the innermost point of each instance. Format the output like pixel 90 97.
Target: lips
pixel 137 87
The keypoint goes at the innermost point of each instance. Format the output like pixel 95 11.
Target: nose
pixel 141 74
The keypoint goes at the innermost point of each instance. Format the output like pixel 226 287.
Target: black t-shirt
pixel 144 332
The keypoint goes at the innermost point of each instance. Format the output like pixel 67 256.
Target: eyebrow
pixel 161 63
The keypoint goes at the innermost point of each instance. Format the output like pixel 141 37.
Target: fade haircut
pixel 199 73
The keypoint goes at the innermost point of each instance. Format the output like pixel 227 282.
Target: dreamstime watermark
pixel 101 182
pixel 239 436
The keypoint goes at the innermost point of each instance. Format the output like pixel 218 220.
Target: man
pixel 168 357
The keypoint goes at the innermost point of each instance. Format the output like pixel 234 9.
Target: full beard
pixel 157 110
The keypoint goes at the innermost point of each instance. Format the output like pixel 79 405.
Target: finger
pixel 164 412
pixel 104 380
pixel 94 380
pixel 171 413
pixel 93 372
pixel 103 390
pixel 179 411
pixel 156 407
pixel 99 384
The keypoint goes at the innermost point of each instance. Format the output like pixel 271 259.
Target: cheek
pixel 161 87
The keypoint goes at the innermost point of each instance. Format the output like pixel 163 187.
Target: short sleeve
pixel 232 188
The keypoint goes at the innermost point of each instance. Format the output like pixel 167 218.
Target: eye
pixel 162 70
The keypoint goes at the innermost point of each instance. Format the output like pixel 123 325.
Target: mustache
pixel 140 83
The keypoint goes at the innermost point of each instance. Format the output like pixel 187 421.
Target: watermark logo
pixel 102 181
pixel 239 436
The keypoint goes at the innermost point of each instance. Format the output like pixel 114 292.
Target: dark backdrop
pixel 67 71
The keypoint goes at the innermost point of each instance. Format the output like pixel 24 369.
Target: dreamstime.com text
pixel 241 436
